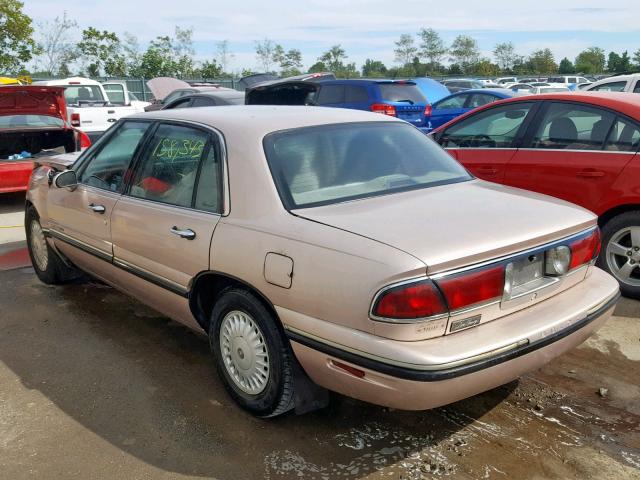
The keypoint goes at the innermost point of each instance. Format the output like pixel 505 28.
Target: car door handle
pixel 187 233
pixel 97 208
pixel 590 173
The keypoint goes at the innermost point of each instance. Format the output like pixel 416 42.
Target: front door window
pixel 107 168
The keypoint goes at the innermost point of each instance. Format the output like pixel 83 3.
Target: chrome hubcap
pixel 623 255
pixel 39 246
pixel 244 352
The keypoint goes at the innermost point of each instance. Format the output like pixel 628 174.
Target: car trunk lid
pixel 33 100
pixel 458 225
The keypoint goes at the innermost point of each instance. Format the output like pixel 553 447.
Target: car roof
pixel 495 91
pixel 360 81
pixel 260 120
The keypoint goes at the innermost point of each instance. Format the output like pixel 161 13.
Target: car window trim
pixel 102 143
pixel 214 138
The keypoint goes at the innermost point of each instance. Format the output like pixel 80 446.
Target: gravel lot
pixel 94 385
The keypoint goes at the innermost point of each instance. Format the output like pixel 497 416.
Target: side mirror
pixel 65 179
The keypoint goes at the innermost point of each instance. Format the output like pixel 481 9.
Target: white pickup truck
pixel 89 107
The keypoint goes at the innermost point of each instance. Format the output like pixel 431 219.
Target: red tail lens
pixel 75 119
pixel 468 289
pixel 413 300
pixel 427 111
pixel 85 141
pixel 384 108
pixel 585 250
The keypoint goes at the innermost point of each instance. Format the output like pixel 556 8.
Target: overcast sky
pixel 365 28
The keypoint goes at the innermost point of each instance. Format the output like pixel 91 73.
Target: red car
pixel 581 147
pixel 32 120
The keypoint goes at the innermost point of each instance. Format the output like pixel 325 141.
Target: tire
pixel 48 266
pixel 623 263
pixel 252 355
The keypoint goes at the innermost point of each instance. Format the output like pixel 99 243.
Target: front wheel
pixel 48 266
pixel 620 254
pixel 251 354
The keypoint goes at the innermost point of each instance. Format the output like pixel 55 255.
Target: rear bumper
pixel 396 383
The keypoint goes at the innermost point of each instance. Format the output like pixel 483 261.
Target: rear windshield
pixel 401 92
pixel 12 122
pixel 328 164
pixel 86 94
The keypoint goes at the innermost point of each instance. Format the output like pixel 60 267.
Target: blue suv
pixel 398 98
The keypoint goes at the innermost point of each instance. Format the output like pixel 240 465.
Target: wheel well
pixel 609 214
pixel 206 289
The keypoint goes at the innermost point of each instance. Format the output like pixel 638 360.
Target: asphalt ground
pixel 94 385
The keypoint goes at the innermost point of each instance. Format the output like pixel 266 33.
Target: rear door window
pixel 355 94
pixel 401 92
pixel 331 94
pixel 493 128
pixel 624 137
pixel 203 102
pixel 573 127
pixel 637 87
pixel 479 99
pixel 456 101
pixel 168 167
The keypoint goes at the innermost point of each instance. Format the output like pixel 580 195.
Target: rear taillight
pixel 83 139
pixel 384 109
pixel 585 250
pixel 478 286
pixel 427 111
pixel 413 300
pixel 75 119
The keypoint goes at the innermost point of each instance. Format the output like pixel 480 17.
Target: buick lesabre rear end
pixel 340 247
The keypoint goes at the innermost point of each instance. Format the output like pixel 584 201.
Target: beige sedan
pixel 323 249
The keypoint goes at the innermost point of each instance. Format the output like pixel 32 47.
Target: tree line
pixel 60 47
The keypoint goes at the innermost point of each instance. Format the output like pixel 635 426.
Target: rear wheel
pixel 620 255
pixel 251 354
pixel 48 266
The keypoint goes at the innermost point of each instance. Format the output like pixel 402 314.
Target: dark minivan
pixel 399 98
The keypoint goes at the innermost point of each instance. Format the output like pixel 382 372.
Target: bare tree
pixel 405 49
pixel 264 53
pixel 505 55
pixel 58 50
pixel 432 47
pixel 223 55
